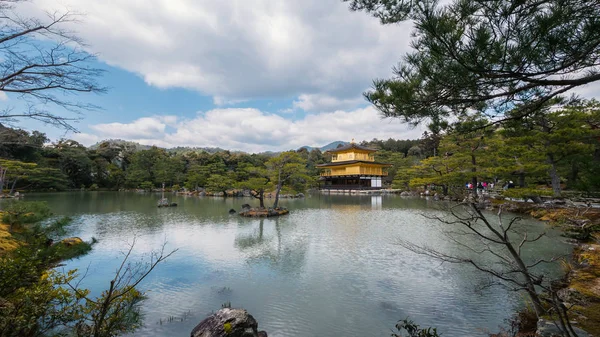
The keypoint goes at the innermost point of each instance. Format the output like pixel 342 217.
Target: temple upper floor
pixel 352 151
pixel 345 156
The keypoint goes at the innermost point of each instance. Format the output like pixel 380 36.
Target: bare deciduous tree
pixel 482 240
pixel 43 63
pixel 117 309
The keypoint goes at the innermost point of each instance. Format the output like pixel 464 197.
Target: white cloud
pixel 145 127
pixel 3 96
pixel 591 90
pixel 86 138
pixel 221 101
pixel 323 102
pixel 252 130
pixel 286 111
pixel 238 49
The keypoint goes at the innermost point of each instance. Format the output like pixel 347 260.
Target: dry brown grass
pixel 7 242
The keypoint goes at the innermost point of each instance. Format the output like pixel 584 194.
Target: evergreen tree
pixel 486 55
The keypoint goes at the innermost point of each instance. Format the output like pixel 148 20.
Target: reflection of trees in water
pixel 286 254
pixel 244 242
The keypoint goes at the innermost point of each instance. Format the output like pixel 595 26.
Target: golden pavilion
pixel 352 167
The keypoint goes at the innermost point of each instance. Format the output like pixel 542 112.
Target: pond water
pixel 330 268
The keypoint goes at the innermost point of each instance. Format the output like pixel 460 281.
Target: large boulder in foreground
pixel 228 323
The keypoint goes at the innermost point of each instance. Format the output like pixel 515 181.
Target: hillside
pixel 327 147
pixel 185 149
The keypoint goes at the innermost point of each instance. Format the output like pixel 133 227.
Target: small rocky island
pixel 248 211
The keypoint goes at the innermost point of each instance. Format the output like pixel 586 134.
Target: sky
pixel 249 75
pixel 260 75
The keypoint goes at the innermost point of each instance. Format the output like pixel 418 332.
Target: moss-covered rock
pixel 228 322
pixel 7 242
pixel 70 248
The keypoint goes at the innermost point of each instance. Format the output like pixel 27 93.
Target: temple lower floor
pixel 351 182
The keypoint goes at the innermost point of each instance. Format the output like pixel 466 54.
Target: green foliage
pixel 525 193
pixel 13 170
pixel 36 300
pixel 219 183
pixel 414 330
pixel 46 178
pixel 71 159
pixel 447 156
pixel 21 145
pixel 21 212
pixel 549 147
pixel 485 55
pixel 44 305
pixel 146 185
pixel 287 170
pixel 196 176
pixel 554 137
pixel 227 327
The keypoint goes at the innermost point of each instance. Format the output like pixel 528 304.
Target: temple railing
pixel 348 187
pixel 329 174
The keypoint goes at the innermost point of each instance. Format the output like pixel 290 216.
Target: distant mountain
pixel 327 147
pixel 332 145
pixel 121 142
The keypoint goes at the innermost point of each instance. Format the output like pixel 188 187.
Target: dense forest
pixel 30 162
pixel 544 153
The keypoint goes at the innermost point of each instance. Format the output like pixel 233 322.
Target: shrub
pixel 526 193
pixel 147 185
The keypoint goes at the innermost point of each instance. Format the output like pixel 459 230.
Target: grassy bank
pixel 7 241
pixel 582 290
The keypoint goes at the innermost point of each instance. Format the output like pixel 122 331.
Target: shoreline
pixel 580 225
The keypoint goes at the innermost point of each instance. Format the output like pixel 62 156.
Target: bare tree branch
pixel 42 63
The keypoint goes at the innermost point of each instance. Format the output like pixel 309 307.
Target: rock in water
pixel 546 328
pixel 228 323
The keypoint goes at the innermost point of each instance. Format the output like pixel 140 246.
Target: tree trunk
pixel 474 177
pixel 12 188
pixel 260 195
pixel 529 282
pixel 554 177
pixel 279 186
pixel 574 175
pixel 2 175
pixel 521 179
pixel 276 203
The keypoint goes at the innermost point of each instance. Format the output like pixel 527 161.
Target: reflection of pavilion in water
pixel 375 203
